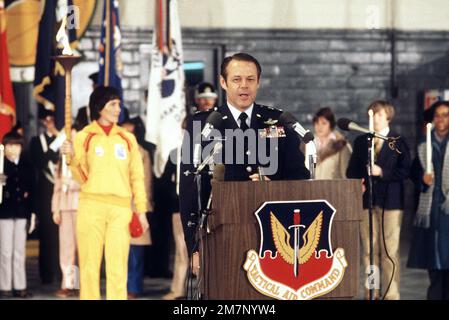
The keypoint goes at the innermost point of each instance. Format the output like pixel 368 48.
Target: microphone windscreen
pixel 215 119
pixel 308 136
pixel 343 124
pixel 286 118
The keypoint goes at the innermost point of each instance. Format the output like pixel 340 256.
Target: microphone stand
pixel 202 214
pixel 392 145
pixel 369 168
pixel 198 237
pixel 312 158
pixel 201 220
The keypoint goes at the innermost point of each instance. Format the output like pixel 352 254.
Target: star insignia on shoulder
pixel 271 108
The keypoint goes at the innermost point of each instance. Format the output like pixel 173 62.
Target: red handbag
pixel 135 227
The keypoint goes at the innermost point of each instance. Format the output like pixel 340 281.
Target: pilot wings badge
pixel 295 260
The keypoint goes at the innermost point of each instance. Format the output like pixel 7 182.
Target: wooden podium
pixel 234 230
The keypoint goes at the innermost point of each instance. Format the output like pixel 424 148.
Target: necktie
pixel 243 125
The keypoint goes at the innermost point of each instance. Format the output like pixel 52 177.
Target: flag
pixel 7 104
pixel 166 100
pixel 49 82
pixel 110 59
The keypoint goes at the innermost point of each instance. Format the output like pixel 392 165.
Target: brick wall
pixel 304 70
pixel 308 69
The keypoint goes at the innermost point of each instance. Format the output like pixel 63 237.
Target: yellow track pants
pixel 103 225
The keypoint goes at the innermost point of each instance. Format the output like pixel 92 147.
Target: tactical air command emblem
pixel 295 260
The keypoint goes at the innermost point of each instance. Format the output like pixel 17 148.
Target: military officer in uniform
pixel 205 96
pixel 240 78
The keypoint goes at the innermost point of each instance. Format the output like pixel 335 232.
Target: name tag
pixel 120 151
pixel 272 132
pixel 99 151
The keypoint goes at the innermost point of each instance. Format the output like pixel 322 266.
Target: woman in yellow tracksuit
pixel 105 159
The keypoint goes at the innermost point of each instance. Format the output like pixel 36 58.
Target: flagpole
pixel 108 43
pixel 160 28
pixel 168 28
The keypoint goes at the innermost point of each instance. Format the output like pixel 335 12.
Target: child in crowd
pixel 390 170
pixel 64 206
pixel 15 211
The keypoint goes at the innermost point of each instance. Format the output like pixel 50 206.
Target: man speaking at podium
pixel 248 139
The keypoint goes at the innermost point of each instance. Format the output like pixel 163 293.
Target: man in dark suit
pixel 44 159
pixel 254 141
pixel 390 169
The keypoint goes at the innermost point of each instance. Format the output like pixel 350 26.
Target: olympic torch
pixel 67 60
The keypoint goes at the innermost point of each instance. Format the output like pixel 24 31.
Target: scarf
pixel 422 218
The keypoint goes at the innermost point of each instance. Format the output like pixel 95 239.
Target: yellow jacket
pixel 109 167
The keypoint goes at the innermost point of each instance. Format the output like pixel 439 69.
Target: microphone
pixel 196 154
pixel 287 119
pixel 348 125
pixel 213 121
pixel 218 146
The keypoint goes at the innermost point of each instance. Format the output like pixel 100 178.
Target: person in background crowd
pixel 205 96
pixel 106 161
pixel 205 99
pixel 15 210
pixel 136 260
pixel 181 263
pixel 140 132
pixel 64 206
pixel 430 241
pixel 44 156
pixel 83 118
pixel 390 169
pixel 165 203
pixel 333 150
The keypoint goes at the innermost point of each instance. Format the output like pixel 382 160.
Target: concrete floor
pixel 414 283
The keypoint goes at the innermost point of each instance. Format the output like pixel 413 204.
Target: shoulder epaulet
pixel 269 113
pixel 204 113
pixel 272 109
